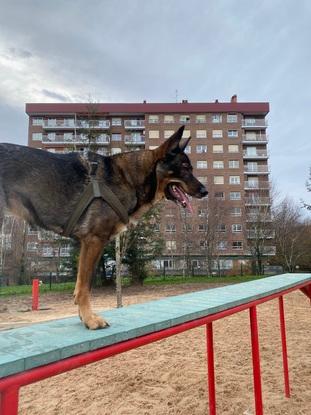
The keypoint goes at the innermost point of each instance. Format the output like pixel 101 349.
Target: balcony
pixel 137 140
pixel 257 201
pixel 61 124
pixel 134 124
pixel 257 217
pixel 249 185
pixel 93 124
pixel 262 169
pixel 269 250
pixel 258 139
pixel 260 234
pixel 258 154
pixel 78 139
pixel 254 124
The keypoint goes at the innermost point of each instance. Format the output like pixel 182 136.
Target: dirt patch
pixel 169 377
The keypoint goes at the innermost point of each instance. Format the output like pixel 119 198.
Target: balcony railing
pixel 60 124
pixel 254 124
pixel 259 154
pixel 260 234
pixel 257 217
pixel 256 169
pixel 257 201
pixel 90 124
pixel 249 185
pixel 258 139
pixel 134 140
pixel 134 124
pixel 79 139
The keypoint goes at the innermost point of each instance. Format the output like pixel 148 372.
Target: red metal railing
pixel 9 386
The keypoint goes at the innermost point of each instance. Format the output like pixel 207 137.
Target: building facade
pixel 228 151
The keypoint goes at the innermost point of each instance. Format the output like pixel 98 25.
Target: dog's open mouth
pixel 179 196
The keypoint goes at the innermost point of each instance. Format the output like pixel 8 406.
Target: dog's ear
pixel 172 145
pixel 183 143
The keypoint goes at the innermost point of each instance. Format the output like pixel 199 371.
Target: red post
pixel 9 401
pixel 256 360
pixel 35 294
pixel 211 371
pixel 284 347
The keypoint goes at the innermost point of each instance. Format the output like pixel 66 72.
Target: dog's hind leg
pixel 91 249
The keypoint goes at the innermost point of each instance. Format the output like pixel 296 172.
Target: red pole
pixel 35 294
pixel 284 347
pixel 9 401
pixel 256 360
pixel 211 371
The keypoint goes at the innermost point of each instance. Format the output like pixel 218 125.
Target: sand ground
pixel 169 377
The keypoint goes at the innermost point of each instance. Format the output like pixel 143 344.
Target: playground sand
pixel 169 377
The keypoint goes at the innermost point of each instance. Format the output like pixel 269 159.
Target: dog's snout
pixel 203 191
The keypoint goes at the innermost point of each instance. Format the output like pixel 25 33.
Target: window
pixel 216 118
pixel 221 227
pixel 235 195
pixel 219 195
pixel 233 133
pixel 222 245
pixel 237 245
pixel 168 133
pixel 153 147
pixel 218 179
pixel 188 150
pixel 171 245
pixel 156 227
pixel 233 148
pixel 184 119
pixel 235 211
pixel 153 119
pixel 186 134
pixel 51 137
pixel 52 122
pixel 218 148
pixel 170 227
pixel 201 164
pixel 218 164
pixel 202 179
pixel 116 122
pixel 202 227
pixel 116 137
pixel 169 119
pixel 115 150
pixel 201 134
pixel 37 136
pixel 217 134
pixel 37 121
pixel 234 164
pixel 200 119
pixel 232 118
pixel 201 149
pixel 154 134
pixel 32 246
pixel 234 179
pixel 187 227
pixel 201 212
pixel 236 227
pixel 249 121
pixel 68 136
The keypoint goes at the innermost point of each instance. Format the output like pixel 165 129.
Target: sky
pixel 131 50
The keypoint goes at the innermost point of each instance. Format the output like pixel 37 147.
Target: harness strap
pixel 93 191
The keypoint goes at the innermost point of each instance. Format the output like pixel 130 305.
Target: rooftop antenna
pixel 176 95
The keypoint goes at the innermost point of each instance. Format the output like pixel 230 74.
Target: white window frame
pixel 202 164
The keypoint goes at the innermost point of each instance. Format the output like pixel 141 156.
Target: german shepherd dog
pixel 44 188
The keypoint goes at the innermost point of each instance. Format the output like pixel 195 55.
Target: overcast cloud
pixel 130 50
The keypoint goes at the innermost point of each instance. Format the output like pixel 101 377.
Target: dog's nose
pixel 203 191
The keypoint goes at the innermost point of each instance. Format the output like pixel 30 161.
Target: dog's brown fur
pixel 139 179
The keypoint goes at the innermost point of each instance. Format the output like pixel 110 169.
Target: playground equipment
pixel 42 350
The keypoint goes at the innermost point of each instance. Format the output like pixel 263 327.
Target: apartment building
pixel 228 151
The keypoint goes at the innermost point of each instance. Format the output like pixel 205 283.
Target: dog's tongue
pixel 182 197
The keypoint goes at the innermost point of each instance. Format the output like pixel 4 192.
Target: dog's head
pixel 174 171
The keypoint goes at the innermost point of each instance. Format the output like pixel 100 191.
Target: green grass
pixel 154 280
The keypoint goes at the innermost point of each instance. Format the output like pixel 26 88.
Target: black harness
pixel 96 189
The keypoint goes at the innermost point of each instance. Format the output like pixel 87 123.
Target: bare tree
pixel 292 234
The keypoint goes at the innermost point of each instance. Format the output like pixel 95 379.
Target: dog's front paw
pixel 95 322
